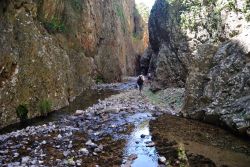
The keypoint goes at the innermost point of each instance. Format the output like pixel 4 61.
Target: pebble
pixel 151 144
pixel 71 161
pixel 99 149
pixel 78 162
pixel 25 160
pixel 84 151
pixel 66 153
pixel 91 144
pixel 143 136
pixel 59 136
pixel 79 112
pixel 16 155
pixel 162 160
pixel 44 142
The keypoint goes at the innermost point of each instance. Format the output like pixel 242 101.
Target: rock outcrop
pixel 168 47
pixel 217 88
pixel 51 50
pixel 203 46
pixel 177 28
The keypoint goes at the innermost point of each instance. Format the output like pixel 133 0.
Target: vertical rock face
pixel 203 45
pixel 176 28
pixel 52 50
pixel 217 88
pixel 168 45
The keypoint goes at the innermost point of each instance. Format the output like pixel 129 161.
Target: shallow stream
pixel 123 130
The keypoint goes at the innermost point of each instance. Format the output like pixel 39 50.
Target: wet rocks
pixel 65 139
pixel 129 160
pixel 99 149
pixel 25 160
pixel 90 144
pixel 162 160
pixel 143 136
pixel 84 151
pixel 150 144
pixel 79 112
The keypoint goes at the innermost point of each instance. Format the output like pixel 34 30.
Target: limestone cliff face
pixel 217 87
pixel 203 45
pixel 176 28
pixel 52 50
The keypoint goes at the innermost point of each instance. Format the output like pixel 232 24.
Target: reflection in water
pixel 146 156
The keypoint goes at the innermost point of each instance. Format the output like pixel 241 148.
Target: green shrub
pixel 99 79
pixel 45 107
pixel 55 26
pixel 22 112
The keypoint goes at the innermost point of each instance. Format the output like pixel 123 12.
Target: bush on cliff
pixel 22 112
pixel 45 107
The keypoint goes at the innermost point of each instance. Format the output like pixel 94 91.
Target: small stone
pixel 25 160
pixel 59 136
pixel 151 144
pixel 143 136
pixel 132 157
pixel 33 162
pixel 99 149
pixel 91 144
pixel 44 142
pixel 113 126
pixel 70 145
pixel 84 151
pixel 16 155
pixel 66 153
pixel 71 161
pixel 79 112
pixel 79 162
pixel 162 160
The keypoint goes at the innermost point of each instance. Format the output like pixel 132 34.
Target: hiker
pixel 140 81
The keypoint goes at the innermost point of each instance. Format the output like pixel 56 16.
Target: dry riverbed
pixel 126 129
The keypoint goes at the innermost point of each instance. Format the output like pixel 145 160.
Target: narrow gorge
pixel 69 87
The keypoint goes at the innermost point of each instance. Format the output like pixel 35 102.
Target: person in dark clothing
pixel 140 82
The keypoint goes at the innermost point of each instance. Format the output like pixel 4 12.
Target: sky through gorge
pixel 148 3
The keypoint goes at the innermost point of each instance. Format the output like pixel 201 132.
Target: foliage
pixel 55 25
pixel 45 107
pixel 182 155
pixel 143 11
pixel 22 112
pixel 99 79
pixel 191 11
pixel 246 10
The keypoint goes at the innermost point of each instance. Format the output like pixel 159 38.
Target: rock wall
pixel 50 50
pixel 203 45
pixel 177 27
pixel 217 88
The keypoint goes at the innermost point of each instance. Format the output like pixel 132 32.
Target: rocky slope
pixel 203 45
pixel 52 50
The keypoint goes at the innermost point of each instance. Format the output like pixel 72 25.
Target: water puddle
pixel 137 145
